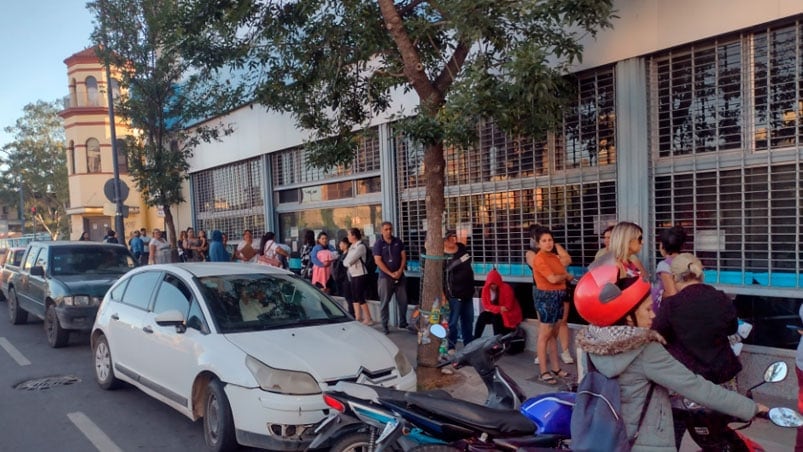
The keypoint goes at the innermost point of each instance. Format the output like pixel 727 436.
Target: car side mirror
pixel 37 270
pixel 172 317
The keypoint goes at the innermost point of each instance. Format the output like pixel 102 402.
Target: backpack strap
pixel 643 412
pixel 364 267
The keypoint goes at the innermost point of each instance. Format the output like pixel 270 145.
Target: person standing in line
pixel 137 246
pixel 606 242
pixel 391 260
pixel 203 246
pixel 670 242
pixel 548 295
pixel 159 249
pixel 626 241
pixel 306 250
pixel 182 239
pixel 563 324
pixel 217 252
pixel 502 310
pixel 269 251
pixel 321 257
pixel 458 287
pixel 340 275
pixel 621 345
pixel 357 274
pixel 191 245
pixel 111 237
pixel 146 241
pixel 245 251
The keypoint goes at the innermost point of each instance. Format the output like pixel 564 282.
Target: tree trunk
pixel 434 164
pixel 171 228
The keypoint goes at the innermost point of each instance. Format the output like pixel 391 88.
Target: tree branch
pixel 413 68
pixel 452 68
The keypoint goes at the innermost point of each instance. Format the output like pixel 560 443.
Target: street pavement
pixel 522 369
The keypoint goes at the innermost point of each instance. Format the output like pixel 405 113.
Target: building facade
pixel 686 113
pixel 90 163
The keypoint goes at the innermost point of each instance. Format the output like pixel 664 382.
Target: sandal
pixel 560 373
pixel 547 378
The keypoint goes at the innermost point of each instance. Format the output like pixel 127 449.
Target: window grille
pixel 498 188
pixel 229 198
pixel 741 208
pixel 699 99
pixel 778 87
pixel 291 166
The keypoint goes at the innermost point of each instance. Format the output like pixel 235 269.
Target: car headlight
pixel 402 363
pixel 81 300
pixel 282 381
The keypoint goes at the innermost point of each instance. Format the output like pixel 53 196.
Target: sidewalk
pixel 522 369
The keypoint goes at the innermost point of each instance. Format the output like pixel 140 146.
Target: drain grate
pixel 40 384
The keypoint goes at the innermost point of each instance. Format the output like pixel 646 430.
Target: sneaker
pixel 566 357
pixel 367 322
pixel 535 361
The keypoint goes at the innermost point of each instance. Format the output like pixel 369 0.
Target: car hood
pixel 327 352
pixel 93 285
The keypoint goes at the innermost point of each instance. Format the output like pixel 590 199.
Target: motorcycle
pixel 376 418
pixel 711 430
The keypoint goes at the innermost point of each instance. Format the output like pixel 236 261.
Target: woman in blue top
pixel 217 252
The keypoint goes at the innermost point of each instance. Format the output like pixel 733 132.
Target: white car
pixel 248 348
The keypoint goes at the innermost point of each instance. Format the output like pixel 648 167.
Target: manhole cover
pixel 40 384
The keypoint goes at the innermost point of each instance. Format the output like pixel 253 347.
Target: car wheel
pixel 353 442
pixel 218 422
pixel 16 315
pixel 56 335
pixel 104 366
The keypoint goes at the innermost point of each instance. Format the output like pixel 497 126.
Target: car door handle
pixel 115 317
pixel 147 329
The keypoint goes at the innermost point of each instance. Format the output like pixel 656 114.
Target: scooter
pixel 376 418
pixel 711 430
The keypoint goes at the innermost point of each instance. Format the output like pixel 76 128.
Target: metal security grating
pixel 727 154
pixel 497 189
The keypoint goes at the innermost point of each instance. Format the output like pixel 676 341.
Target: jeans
pixel 461 314
pixel 387 288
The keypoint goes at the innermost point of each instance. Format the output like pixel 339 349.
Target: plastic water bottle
pixel 435 316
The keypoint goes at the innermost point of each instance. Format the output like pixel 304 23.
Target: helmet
pixel 602 299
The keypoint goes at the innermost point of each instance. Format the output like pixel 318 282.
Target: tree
pixel 160 97
pixel 333 64
pixel 36 163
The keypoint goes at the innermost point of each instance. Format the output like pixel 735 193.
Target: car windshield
pixel 258 301
pixel 90 260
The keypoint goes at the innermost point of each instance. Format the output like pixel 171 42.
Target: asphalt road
pixel 78 416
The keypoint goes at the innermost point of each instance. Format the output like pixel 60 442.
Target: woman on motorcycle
pixel 621 345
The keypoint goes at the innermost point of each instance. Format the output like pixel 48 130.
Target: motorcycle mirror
pixel 438 331
pixel 785 417
pixel 775 372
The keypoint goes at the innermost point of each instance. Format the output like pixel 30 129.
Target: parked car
pixel 11 264
pixel 248 348
pixel 63 283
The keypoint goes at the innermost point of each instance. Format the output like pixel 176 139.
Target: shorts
pixel 549 305
pixel 358 286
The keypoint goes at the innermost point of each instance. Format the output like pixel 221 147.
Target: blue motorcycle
pixel 371 418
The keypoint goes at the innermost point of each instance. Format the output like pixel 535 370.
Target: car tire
pixel 352 442
pixel 56 335
pixel 104 366
pixel 219 433
pixel 16 315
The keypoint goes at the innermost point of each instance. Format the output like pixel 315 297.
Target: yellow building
pixel 90 166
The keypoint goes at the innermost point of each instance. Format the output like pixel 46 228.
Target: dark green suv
pixel 63 283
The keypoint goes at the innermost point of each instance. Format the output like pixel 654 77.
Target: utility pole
pixel 119 224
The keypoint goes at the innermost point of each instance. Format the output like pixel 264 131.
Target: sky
pixel 36 36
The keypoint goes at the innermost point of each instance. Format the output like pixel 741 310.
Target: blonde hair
pixel 686 267
pixel 621 235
